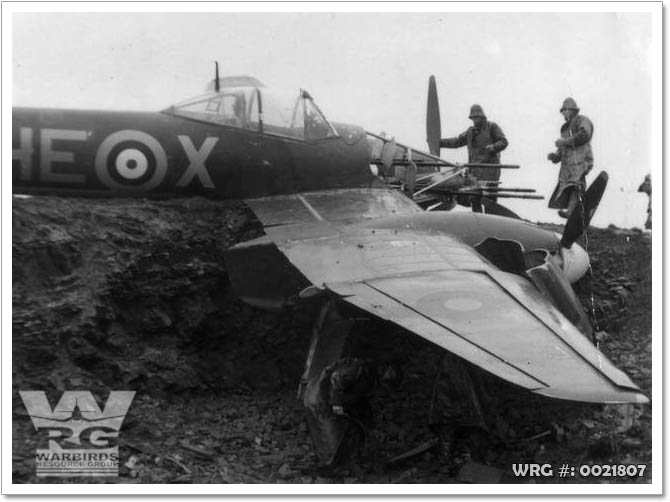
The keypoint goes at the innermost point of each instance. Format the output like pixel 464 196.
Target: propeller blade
pixel 388 153
pixel 492 207
pixel 409 184
pixel 433 125
pixel 581 216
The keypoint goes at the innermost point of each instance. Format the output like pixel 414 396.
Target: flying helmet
pixel 569 104
pixel 476 111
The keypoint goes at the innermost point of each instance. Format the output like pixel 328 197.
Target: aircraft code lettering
pixel 49 156
pixel 128 160
pixel 24 154
pixel 197 160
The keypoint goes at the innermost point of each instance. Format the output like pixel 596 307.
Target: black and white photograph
pixel 326 248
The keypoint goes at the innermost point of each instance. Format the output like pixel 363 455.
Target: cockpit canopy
pixel 268 111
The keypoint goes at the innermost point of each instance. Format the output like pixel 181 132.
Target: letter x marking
pixel 197 160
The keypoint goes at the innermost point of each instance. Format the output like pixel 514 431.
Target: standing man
pixel 576 158
pixel 645 187
pixel 485 140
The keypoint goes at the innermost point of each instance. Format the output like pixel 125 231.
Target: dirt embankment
pixel 122 294
pixel 134 294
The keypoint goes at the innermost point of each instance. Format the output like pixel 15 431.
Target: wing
pixel 340 206
pixel 441 289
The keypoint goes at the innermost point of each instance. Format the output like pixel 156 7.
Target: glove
pixel 338 410
pixel 489 148
pixel 553 157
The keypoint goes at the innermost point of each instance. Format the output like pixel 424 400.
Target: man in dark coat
pixel 576 158
pixel 645 187
pixel 485 140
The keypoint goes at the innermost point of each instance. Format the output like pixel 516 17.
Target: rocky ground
pixel 113 295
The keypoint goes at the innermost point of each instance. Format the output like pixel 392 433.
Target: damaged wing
pixel 444 291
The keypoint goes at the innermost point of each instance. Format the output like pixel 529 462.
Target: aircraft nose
pixel 575 262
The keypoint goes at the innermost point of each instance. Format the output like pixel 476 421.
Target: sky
pixel 372 69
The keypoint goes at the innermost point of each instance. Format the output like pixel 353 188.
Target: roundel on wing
pixel 131 160
pixel 462 304
pixel 456 304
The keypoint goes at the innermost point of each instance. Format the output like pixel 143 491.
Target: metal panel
pixel 388 309
pixel 324 254
pixel 473 316
pixel 345 205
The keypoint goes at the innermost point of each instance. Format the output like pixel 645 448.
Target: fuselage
pixel 237 143
pixel 219 145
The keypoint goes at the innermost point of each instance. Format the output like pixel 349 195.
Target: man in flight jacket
pixel 485 140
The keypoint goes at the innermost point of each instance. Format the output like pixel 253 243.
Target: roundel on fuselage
pixel 131 160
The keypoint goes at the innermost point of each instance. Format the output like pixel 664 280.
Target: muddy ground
pixel 133 295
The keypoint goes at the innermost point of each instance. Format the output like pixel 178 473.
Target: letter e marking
pixel 49 156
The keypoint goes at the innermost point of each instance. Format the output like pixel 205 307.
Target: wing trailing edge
pixel 497 325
